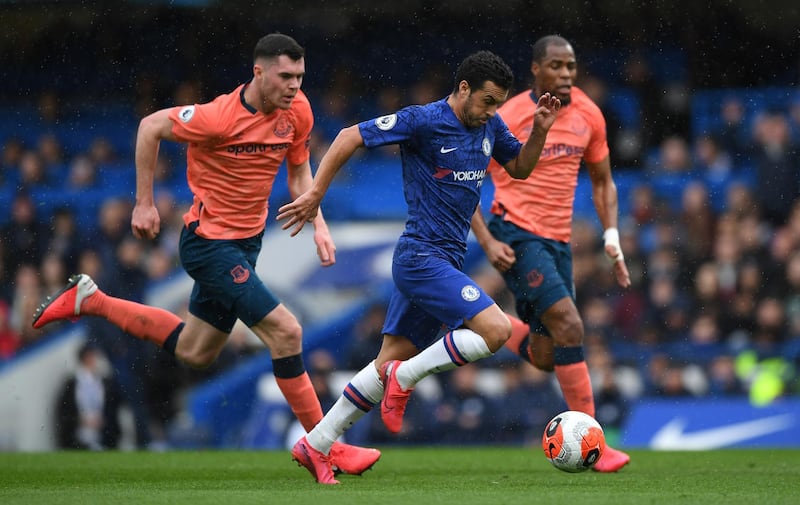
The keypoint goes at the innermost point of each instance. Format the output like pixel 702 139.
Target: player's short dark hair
pixel 276 44
pixel 541 45
pixel 483 66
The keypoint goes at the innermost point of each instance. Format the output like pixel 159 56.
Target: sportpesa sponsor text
pixel 561 150
pixel 256 148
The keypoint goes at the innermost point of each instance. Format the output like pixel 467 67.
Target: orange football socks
pixel 576 386
pixel 302 398
pixel 142 321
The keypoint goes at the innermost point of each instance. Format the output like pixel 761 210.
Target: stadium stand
pixel 670 336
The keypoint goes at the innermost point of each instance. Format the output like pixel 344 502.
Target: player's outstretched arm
pixel 145 221
pixel 300 181
pixel 306 206
pixel 543 118
pixel 606 203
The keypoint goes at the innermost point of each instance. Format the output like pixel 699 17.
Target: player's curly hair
pixel 483 66
pixel 276 44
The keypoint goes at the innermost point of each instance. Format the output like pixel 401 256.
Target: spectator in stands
pixel 53 273
pixel 13 149
pixel 51 153
pixel 776 161
pixel 673 159
pixel 733 131
pixel 740 200
pixel 722 377
pixel 625 141
pixel 27 295
pixel 638 76
pixel 22 237
pixel 365 342
pixel 82 173
pixel 64 238
pixel 102 152
pixel 188 92
pixel 321 364
pixel 705 289
pixel 87 412
pixel 32 173
pixel 529 402
pixel 698 221
pixel 703 339
pixel 49 107
pixel 712 160
pixel 112 228
pixel 770 331
pixel 727 254
pixel 611 407
pixel 465 414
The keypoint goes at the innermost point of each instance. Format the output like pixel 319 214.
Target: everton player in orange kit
pixel 527 238
pixel 236 144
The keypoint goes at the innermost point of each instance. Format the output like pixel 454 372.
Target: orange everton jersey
pixel 234 153
pixel 542 203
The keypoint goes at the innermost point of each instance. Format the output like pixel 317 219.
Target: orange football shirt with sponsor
pixel 542 203
pixel 233 155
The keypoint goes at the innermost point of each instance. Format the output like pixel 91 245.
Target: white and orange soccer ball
pixel 573 441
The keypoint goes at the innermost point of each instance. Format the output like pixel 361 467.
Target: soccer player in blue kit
pixel 437 318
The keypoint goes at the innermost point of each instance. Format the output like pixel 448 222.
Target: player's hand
pixel 621 273
pixel 299 212
pixel 614 254
pixel 500 255
pixel 326 249
pixel 546 112
pixel 145 222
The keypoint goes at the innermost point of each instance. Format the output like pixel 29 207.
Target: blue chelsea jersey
pixel 444 165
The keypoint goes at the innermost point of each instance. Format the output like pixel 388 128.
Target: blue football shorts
pixel 431 297
pixel 226 287
pixel 542 274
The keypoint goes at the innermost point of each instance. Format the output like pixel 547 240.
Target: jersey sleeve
pixel 197 124
pixel 303 123
pixel 506 145
pixel 597 149
pixel 392 128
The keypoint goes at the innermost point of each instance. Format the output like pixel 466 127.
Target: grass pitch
pixel 462 476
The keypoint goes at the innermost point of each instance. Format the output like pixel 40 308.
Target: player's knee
pixel 543 363
pixel 287 339
pixel 568 331
pixel 198 360
pixel 292 335
pixel 540 352
pixel 497 334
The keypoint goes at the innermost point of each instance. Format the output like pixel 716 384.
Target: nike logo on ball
pixel 445 150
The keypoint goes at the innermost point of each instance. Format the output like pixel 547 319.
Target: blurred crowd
pixel 710 228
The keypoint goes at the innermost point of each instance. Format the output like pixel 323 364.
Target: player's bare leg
pixel 484 335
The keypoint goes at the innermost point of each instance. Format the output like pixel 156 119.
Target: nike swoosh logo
pixel 445 150
pixel 673 437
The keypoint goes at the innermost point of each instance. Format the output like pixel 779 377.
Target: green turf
pixel 486 476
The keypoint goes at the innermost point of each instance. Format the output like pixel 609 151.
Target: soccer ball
pixel 573 441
